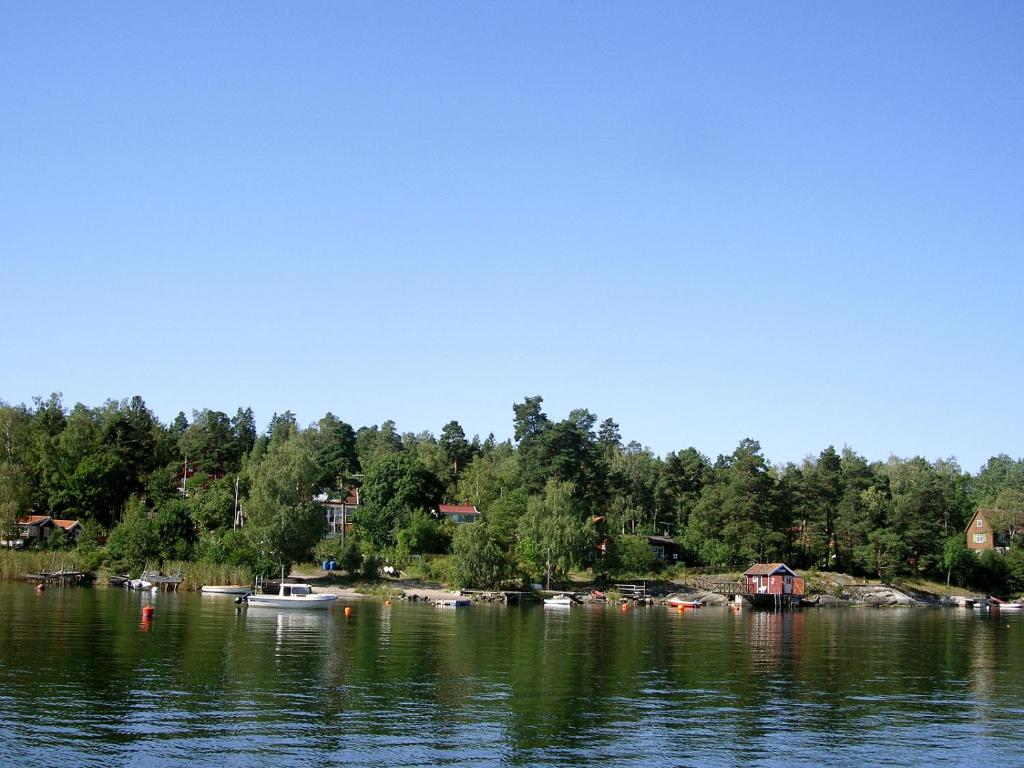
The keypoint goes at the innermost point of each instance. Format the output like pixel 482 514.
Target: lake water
pixel 84 682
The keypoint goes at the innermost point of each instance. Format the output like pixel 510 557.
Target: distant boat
pixel 558 601
pixel 1002 605
pixel 458 602
pixel 677 603
pixel 224 589
pixel 292 596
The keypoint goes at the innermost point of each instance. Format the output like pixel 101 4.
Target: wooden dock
pixel 61 578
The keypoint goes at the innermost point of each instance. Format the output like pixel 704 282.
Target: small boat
pixel 1002 605
pixel 679 603
pixel 458 602
pixel 138 584
pixel 225 589
pixel 558 601
pixel 291 596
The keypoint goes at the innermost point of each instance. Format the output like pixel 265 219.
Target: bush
pixel 351 557
pixel 634 554
pixel 477 558
pixel 371 565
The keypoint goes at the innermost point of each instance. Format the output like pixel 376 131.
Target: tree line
pixel 559 496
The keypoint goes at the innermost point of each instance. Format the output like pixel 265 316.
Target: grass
pixel 14 563
pixel 195 575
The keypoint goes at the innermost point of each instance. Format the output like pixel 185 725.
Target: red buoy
pixel 147 611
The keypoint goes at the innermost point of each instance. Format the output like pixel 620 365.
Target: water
pixel 84 682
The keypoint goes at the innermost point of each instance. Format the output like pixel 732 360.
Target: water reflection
pixel 410 684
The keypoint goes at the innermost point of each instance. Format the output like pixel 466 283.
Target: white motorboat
pixel 224 589
pixel 292 596
pixel 558 601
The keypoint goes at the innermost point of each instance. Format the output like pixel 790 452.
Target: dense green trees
pixel 553 498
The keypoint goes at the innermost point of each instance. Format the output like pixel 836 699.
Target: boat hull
pixel 314 602
pixel 225 590
pixel 685 604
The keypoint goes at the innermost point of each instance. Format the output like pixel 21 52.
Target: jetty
pixel 60 578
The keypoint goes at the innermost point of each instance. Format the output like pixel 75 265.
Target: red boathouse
pixel 773 579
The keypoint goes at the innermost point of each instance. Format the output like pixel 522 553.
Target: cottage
pixel 339 511
pixel 663 548
pixel 34 528
pixel 981 535
pixel 459 513
pixel 72 528
pixel 773 579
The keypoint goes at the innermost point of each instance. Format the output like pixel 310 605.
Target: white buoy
pixel 154 590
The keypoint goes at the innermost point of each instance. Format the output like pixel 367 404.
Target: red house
pixel 458 513
pixel 773 579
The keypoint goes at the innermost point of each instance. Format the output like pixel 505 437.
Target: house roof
pixel 67 525
pixel 458 509
pixel 661 540
pixel 34 520
pixel 975 517
pixel 768 569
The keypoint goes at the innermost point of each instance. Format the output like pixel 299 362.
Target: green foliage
pixel 393 487
pixel 282 523
pixel 212 502
pixel 478 558
pixel 175 530
pixel 351 559
pixel 553 536
pixel 634 554
pixel 960 563
pixel 834 510
pixel 884 554
pixel 423 534
pixel 328 548
pixel 135 541
pixel 371 564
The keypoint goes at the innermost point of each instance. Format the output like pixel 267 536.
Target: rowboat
pixel 678 603
pixel 224 589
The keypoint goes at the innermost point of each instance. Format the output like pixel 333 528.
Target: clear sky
pixel 801 222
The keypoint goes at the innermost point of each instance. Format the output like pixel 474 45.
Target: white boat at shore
pixel 292 596
pixel 680 603
pixel 558 601
pixel 224 589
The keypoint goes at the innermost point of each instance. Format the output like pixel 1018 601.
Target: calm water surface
pixel 83 682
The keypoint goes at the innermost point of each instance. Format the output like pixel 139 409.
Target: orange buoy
pixel 348 610
pixel 387 602
pixel 147 611
pixel 625 606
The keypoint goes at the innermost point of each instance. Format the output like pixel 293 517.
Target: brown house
pixel 981 535
pixel 773 579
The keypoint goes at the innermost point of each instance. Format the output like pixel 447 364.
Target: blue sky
pixel 802 223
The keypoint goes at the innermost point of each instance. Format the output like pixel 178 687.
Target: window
pixel 979 538
pixel 980 523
